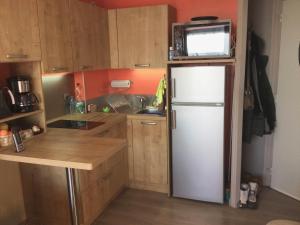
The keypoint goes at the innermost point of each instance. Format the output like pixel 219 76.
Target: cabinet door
pixel 84 54
pixel 19 36
pixel 143 36
pixel 90 36
pixel 93 201
pixel 150 162
pixel 101 37
pixel 55 33
pixel 117 175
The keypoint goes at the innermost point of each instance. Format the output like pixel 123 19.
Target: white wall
pixel 286 155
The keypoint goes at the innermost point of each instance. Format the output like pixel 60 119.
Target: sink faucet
pixel 142 101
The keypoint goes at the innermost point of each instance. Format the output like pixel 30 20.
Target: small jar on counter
pixel 26 134
pixel 5 138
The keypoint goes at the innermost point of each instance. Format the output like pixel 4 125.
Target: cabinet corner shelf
pixel 203 61
pixel 19 115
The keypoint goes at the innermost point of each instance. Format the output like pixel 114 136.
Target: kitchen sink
pixel 150 111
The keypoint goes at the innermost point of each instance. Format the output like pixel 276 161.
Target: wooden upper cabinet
pixel 19 32
pixel 55 33
pixel 90 36
pixel 100 26
pixel 84 54
pixel 143 36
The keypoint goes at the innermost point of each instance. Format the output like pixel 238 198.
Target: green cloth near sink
pixel 160 92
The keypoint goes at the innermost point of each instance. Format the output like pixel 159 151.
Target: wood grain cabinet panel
pixel 101 36
pixel 90 36
pixel 143 36
pixel 148 155
pixel 19 36
pixel 55 33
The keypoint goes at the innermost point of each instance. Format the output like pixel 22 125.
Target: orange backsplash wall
pixel 145 81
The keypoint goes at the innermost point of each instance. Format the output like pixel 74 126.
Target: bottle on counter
pixel 72 105
pixel 80 103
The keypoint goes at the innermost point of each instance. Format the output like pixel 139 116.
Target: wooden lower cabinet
pixel 45 188
pixel 99 187
pixel 148 154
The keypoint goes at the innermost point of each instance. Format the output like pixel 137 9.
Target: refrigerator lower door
pixel 198 84
pixel 197 153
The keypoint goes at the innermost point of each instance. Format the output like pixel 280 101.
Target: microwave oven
pixel 202 39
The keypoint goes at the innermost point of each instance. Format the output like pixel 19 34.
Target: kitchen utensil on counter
pixel 6 101
pixel 26 134
pixel 80 107
pixel 17 139
pixel 25 100
pixel 19 84
pixel 37 130
pixel 92 108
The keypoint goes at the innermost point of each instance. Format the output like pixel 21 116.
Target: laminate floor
pixel 134 207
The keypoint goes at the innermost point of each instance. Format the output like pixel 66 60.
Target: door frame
pixel 238 102
pixel 273 77
pixel 238 95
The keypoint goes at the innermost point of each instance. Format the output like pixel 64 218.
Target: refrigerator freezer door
pixel 203 84
pixel 197 153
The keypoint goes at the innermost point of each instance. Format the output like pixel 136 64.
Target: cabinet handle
pixel 58 69
pixel 142 65
pixel 85 67
pixel 16 56
pixel 173 88
pixel 173 119
pixel 149 123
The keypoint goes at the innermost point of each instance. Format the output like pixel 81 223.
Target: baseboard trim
pixel 285 193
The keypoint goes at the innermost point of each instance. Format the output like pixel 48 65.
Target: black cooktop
pixel 75 124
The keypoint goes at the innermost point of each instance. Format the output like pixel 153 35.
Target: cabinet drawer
pixel 117 131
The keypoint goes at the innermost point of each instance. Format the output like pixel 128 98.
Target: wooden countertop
pixel 77 149
pixel 56 149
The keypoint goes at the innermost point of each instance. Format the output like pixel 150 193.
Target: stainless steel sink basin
pixel 150 111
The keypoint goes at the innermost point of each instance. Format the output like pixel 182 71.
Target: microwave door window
pixel 207 42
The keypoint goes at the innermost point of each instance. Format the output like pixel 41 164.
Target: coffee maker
pixel 25 100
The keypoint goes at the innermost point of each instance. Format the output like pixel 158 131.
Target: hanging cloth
pixel 260 119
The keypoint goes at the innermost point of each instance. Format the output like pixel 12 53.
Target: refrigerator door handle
pixel 173 88
pixel 173 119
pixel 149 123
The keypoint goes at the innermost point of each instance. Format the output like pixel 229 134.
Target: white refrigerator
pixel 198 132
